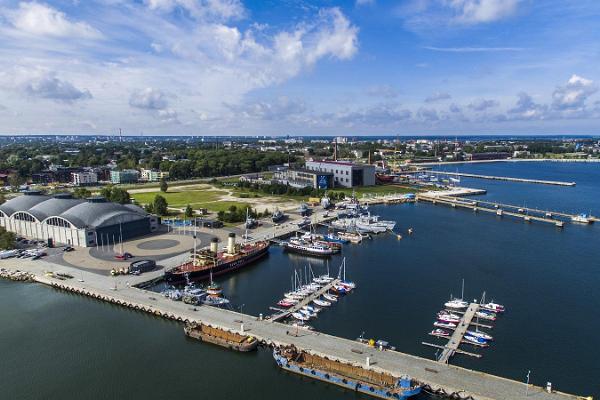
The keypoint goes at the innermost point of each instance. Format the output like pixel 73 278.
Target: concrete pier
pixel 437 377
pixel 524 213
pixel 503 178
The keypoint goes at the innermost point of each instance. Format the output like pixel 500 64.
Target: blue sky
pixel 267 67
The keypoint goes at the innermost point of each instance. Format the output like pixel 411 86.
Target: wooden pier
pixel 459 333
pixel 304 302
pixel 526 214
pixel 503 178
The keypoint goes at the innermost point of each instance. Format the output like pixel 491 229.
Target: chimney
pixel 214 245
pixel 231 243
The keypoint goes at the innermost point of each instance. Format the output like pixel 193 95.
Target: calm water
pixel 56 345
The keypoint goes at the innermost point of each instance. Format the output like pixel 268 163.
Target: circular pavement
pixel 157 244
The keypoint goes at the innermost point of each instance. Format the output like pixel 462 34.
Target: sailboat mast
pixel 462 291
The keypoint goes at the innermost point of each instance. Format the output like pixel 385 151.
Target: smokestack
pixel 231 243
pixel 335 149
pixel 120 136
pixel 214 245
pixel 369 157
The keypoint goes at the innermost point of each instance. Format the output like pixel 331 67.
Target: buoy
pixel 399 237
pixel 410 231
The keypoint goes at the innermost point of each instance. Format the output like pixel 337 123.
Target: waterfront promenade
pixel 450 379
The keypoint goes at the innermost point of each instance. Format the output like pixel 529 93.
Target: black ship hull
pixel 221 269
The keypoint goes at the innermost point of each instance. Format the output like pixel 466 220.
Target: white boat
pixel 351 237
pixel 300 316
pixel 312 309
pixel 330 297
pixel 475 340
pixel 483 315
pixel 581 218
pixel 322 303
pixel 491 306
pixel 307 313
pixel 439 332
pixel 480 334
pixel 447 325
pixel 456 304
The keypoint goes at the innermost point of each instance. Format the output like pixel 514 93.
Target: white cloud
pixel 148 99
pixel 40 19
pixel 41 83
pixel 478 11
pixel 281 108
pixel 427 115
pixel 438 96
pixel 482 104
pixel 573 94
pixel 201 9
pixel 527 109
pixel 204 56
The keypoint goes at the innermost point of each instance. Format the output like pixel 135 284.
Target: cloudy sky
pixel 355 67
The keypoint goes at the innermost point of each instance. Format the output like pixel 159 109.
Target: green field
pixel 195 198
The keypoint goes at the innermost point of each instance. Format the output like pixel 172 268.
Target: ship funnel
pixel 214 245
pixel 231 243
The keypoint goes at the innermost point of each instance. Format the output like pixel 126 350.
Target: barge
pixel 377 384
pixel 220 337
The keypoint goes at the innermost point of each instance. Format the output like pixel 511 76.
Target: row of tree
pixel 280 189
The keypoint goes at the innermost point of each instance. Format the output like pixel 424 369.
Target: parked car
pixel 68 248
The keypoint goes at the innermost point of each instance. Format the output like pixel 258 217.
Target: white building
pixel 84 178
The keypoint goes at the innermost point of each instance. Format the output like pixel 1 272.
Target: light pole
pixel 527 384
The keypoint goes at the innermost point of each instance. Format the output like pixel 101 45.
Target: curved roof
pixel 100 214
pixel 80 213
pixel 52 207
pixel 22 203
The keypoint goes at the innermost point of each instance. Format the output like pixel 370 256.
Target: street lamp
pixel 527 384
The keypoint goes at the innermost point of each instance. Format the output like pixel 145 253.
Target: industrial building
pixel 300 178
pixel 61 219
pixel 345 174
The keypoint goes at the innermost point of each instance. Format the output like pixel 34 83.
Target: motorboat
pixel 352 237
pixel 479 334
pixel 581 218
pixel 439 332
pixel 335 239
pixel 448 325
pixel 285 303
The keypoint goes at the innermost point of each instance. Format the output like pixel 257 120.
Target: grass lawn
pixel 195 198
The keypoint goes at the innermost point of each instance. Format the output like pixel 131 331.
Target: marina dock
pixel 525 213
pixel 304 302
pixel 503 178
pixel 447 380
pixel 457 337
